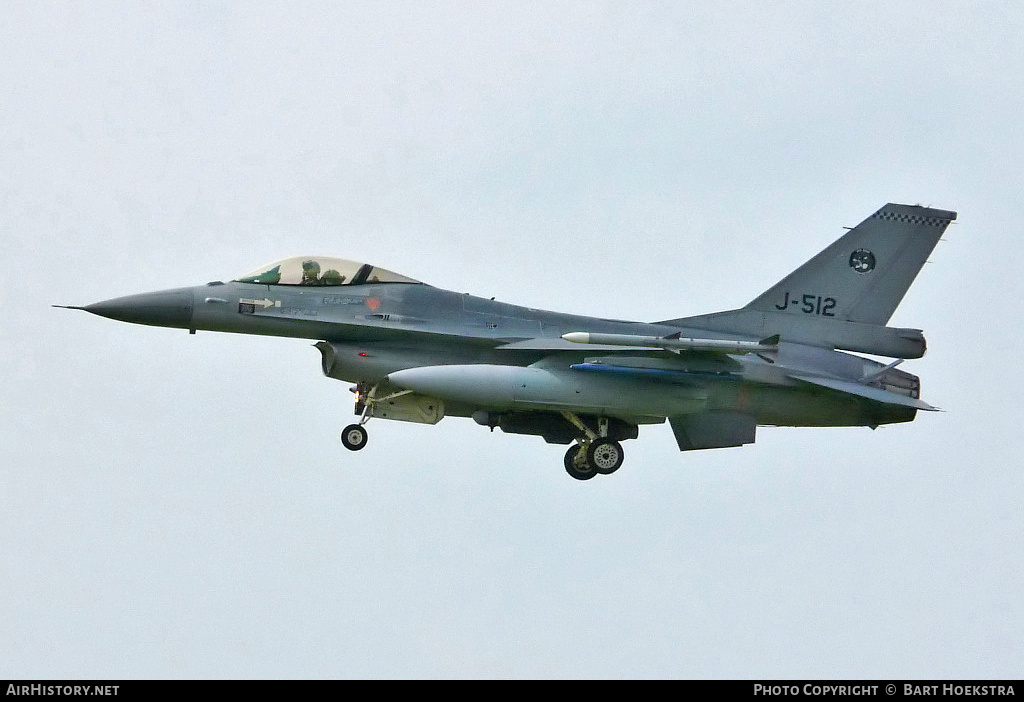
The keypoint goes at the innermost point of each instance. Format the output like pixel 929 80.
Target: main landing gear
pixel 593 453
pixel 585 460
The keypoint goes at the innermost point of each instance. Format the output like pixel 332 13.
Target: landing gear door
pixel 409 408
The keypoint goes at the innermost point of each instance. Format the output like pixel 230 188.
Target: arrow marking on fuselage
pixel 265 303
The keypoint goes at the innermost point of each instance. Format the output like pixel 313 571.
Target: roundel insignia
pixel 862 261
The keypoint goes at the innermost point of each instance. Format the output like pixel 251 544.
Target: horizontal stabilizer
pixel 871 393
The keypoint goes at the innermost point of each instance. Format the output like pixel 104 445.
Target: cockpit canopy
pixel 321 270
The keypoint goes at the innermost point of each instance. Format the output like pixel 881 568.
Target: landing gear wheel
pixel 576 463
pixel 354 437
pixel 605 456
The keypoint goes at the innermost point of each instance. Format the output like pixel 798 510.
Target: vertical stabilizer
pixel 863 276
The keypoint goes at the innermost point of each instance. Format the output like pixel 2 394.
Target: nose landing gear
pixel 382 400
pixel 354 436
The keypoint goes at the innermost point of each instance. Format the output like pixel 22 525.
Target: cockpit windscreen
pixel 321 270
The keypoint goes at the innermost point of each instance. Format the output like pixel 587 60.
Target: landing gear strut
pixel 354 436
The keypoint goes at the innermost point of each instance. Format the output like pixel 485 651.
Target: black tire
pixel 354 437
pixel 605 456
pixel 578 468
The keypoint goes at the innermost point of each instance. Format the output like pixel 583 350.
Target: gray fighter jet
pixel 417 353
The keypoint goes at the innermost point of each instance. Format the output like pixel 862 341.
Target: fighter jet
pixel 417 353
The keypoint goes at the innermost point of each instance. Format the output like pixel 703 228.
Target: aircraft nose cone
pixel 167 308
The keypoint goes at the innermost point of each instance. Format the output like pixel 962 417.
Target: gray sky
pixel 181 506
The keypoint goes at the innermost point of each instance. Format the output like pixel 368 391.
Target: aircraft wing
pixel 871 393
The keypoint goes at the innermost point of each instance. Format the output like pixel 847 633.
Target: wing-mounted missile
pixel 676 343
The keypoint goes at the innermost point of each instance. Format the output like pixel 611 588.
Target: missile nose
pixel 166 308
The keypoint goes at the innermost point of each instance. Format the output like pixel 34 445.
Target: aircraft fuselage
pixel 419 353
pixel 372 331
